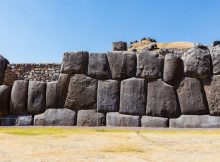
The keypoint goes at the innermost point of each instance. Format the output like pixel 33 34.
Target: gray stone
pixel 24 120
pixel 119 46
pixel 197 62
pixel 215 53
pixel 122 64
pixel 52 95
pixel 195 121
pixel 150 121
pixel 36 97
pixel 5 92
pixel 82 93
pixel 133 96
pixel 75 62
pixel 3 65
pixel 149 65
pixel 161 100
pixel 90 118
pixel 19 95
pixel 62 89
pixel 114 119
pixel 216 43
pixel 191 97
pixel 8 120
pixel 56 117
pixel 98 66
pixel 108 95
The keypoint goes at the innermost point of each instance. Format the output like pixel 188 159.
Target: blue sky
pixel 39 31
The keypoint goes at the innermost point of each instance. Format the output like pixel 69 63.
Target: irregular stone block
pixel 36 97
pixel 98 66
pixel 197 62
pixel 149 65
pixel 5 93
pixel 8 120
pixel 81 93
pixel 115 119
pixel 191 98
pixel 24 120
pixel 19 93
pixel 62 88
pixel 108 96
pixel 215 53
pixel 3 65
pixel 161 100
pixel 90 118
pixel 52 95
pixel 119 46
pixel 195 121
pixel 122 64
pixel 75 62
pixel 56 117
pixel 133 96
pixel 150 121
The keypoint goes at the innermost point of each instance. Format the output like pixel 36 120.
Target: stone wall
pixel 120 88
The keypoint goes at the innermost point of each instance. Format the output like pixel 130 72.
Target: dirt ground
pixel 66 144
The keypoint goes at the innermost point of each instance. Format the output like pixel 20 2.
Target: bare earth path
pixel 58 144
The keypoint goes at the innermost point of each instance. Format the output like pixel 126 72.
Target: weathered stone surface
pixel 149 65
pixel 24 120
pixel 108 95
pixel 36 97
pixel 215 53
pixel 75 62
pixel 3 66
pixel 98 66
pixel 52 95
pixel 5 92
pixel 216 43
pixel 90 118
pixel 119 46
pixel 81 93
pixel 19 95
pixel 122 64
pixel 173 69
pixel 150 121
pixel 212 89
pixel 115 119
pixel 161 100
pixel 8 120
pixel 197 62
pixel 191 98
pixel 62 88
pixel 133 96
pixel 56 117
pixel 195 121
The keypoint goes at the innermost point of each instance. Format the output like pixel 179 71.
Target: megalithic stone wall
pixel 121 88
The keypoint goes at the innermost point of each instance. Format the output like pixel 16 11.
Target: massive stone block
pixel 197 62
pixel 3 66
pixel 81 93
pixel 150 121
pixel 98 66
pixel 19 93
pixel 108 96
pixel 149 65
pixel 215 53
pixel 62 88
pixel 75 62
pixel 90 118
pixel 122 64
pixel 24 120
pixel 133 96
pixel 56 117
pixel 161 100
pixel 191 98
pixel 36 97
pixel 52 95
pixel 5 92
pixel 173 69
pixel 115 119
pixel 195 121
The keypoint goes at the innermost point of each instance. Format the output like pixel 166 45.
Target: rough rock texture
pixel 98 66
pixel 195 121
pixel 8 120
pixel 197 62
pixel 122 64
pixel 216 43
pixel 81 93
pixel 24 120
pixel 149 65
pixel 3 66
pixel 108 95
pixel 191 98
pixel 19 93
pixel 90 118
pixel 75 62
pixel 215 53
pixel 62 89
pixel 173 69
pixel 36 97
pixel 115 119
pixel 212 89
pixel 5 92
pixel 56 117
pixel 52 95
pixel 161 100
pixel 149 121
pixel 119 46
pixel 133 96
